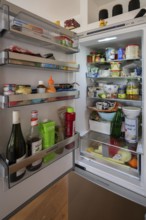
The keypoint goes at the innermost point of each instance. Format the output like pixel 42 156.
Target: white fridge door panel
pixel 13 198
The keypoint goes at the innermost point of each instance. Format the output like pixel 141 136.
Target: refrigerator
pixel 70 66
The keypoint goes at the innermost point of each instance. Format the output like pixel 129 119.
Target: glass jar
pixel 132 90
pixel 41 88
pixel 23 89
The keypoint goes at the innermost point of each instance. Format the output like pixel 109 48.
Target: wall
pixel 86 12
pixel 51 9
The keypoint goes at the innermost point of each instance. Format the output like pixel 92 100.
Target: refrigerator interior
pixel 93 155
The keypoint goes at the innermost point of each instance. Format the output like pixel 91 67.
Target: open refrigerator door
pixel 112 75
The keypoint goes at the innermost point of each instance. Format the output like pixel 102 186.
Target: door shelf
pixel 7 57
pixel 38 40
pixel 54 153
pixel 20 23
pixel 38 98
pixel 112 152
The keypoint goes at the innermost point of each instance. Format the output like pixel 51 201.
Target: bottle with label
pixel 34 141
pixel 51 87
pixel 117 124
pixel 70 122
pixel 70 117
pixel 16 148
pixel 41 87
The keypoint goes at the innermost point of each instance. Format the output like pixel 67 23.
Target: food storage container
pixel 100 126
pixel 132 51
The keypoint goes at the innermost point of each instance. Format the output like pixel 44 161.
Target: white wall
pixel 51 9
pixel 84 11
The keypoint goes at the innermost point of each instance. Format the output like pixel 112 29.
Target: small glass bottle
pixel 117 124
pixel 34 141
pixel 41 87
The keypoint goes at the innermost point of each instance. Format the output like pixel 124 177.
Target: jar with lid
pixel 132 90
pixel 23 89
pixel 41 87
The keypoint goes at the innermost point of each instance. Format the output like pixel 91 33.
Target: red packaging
pixel 70 116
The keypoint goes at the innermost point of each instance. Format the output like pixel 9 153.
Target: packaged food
pixel 64 40
pixel 9 89
pixel 23 89
pixel 132 51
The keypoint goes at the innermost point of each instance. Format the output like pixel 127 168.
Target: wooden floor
pixel 52 204
pixel 75 198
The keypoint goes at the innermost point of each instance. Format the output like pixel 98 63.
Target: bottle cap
pixel 70 109
pixel 16 117
pixel 41 82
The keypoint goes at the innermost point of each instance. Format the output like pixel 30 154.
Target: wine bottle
pixel 117 124
pixel 34 141
pixel 16 148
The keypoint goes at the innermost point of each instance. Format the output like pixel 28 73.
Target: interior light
pixel 107 39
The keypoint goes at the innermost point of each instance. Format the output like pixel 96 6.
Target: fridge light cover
pixel 107 39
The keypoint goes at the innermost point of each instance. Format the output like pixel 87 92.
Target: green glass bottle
pixel 117 124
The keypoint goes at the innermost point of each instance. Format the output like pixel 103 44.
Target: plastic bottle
pixel 117 124
pixel 16 148
pixel 41 88
pixel 70 116
pixel 34 141
pixel 51 87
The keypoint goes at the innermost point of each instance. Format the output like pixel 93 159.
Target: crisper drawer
pixel 111 153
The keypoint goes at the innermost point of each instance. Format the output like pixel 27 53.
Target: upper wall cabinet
pixel 17 22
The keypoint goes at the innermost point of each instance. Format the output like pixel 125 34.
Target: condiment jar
pixel 41 88
pixel 23 89
pixel 132 90
pixel 51 87
pixel 9 89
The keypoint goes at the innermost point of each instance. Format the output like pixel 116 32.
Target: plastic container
pixel 103 127
pixel 51 87
pixel 132 90
pixel 132 51
pixel 9 89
